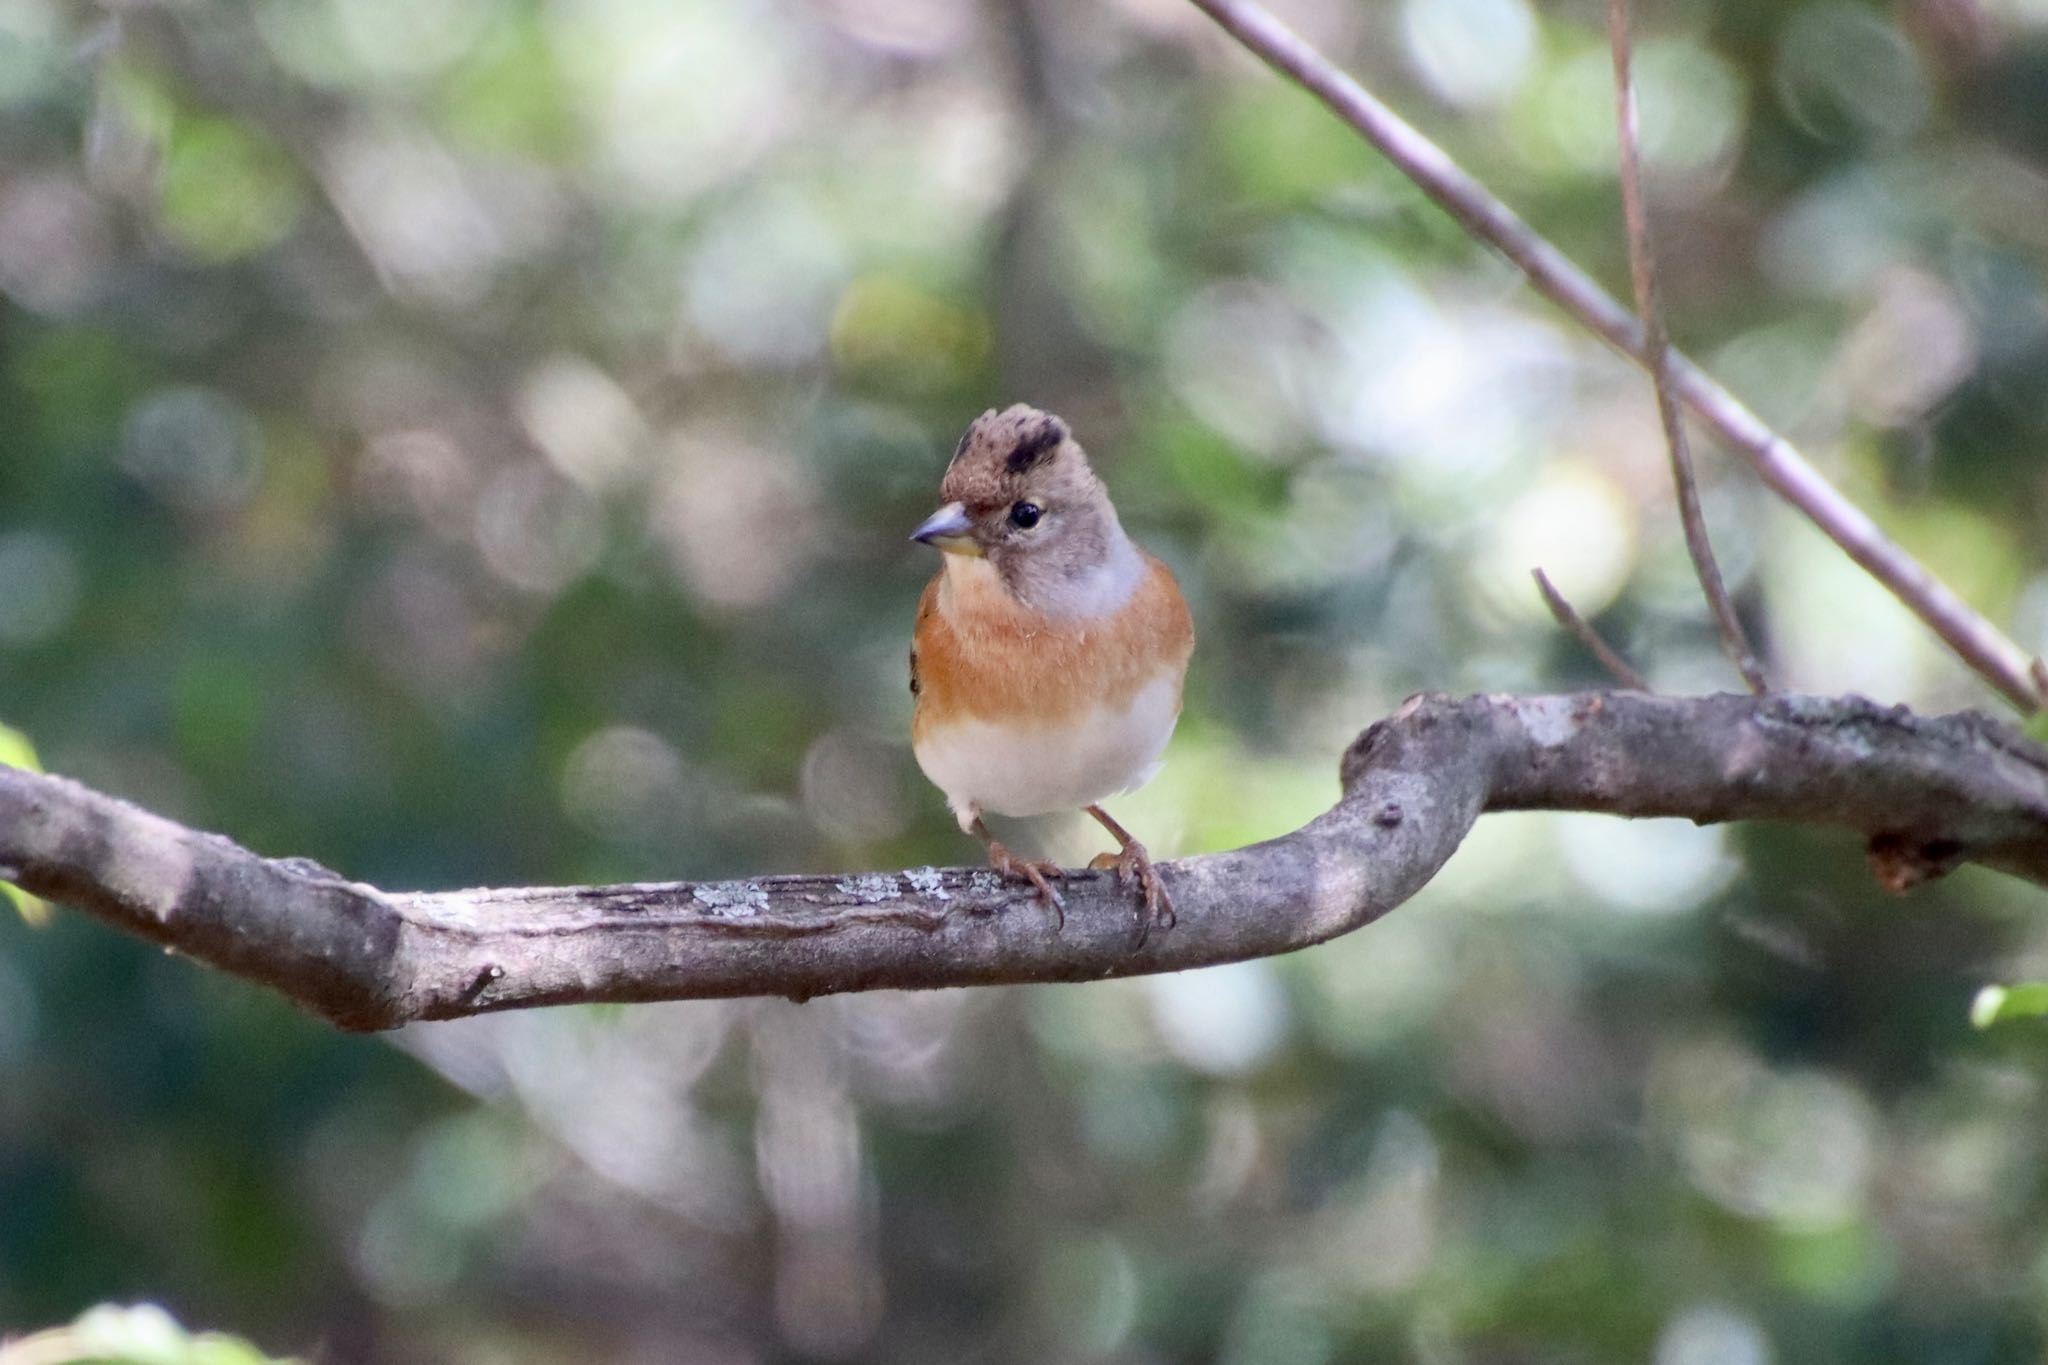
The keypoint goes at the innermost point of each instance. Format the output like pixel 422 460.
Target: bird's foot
pixel 1134 866
pixel 1036 872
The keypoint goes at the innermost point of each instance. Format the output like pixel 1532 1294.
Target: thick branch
pixel 1928 792
pixel 1981 644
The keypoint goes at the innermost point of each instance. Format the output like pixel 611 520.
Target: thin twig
pixel 1982 646
pixel 1568 616
pixel 1642 268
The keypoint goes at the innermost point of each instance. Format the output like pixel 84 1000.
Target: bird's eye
pixel 1025 515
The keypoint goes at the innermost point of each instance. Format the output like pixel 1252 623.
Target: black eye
pixel 1025 515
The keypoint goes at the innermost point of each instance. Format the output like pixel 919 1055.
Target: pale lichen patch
pixel 871 888
pixel 1548 720
pixel 926 881
pixel 731 900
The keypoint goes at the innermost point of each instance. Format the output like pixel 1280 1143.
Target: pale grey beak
pixel 947 529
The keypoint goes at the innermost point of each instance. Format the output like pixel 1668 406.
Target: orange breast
pixel 980 654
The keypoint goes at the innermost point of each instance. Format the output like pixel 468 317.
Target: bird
pixel 1050 651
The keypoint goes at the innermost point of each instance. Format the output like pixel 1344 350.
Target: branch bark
pixel 1986 649
pixel 1928 793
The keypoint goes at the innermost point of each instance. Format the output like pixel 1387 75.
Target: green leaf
pixel 17 752
pixel 2037 726
pixel 1997 1004
pixel 115 1334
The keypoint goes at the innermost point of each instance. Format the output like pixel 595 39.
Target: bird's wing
pixel 926 605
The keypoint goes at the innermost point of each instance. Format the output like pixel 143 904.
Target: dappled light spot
pixel 1845 72
pixel 2030 616
pixel 462 1180
pixel 32 50
pixel 537 531
pixel 1841 234
pixel 1221 1020
pixel 1366 991
pixel 1088 1292
pixel 1577 525
pixel 624 782
pixel 423 473
pixel 679 94
pixel 1665 579
pixel 1456 397
pixel 760 281
pixel 421 626
pixel 1791 1146
pixel 55 242
pixel 890 329
pixel 194 448
pixel 811 1167
pixel 1779 369
pixel 736 521
pixel 905 1047
pixel 1473 53
pixel 343 43
pixel 226 191
pixel 42 581
pixel 1710 1334
pixel 583 421
pixel 1691 104
pixel 1240 355
pixel 1379 1231
pixel 1834 628
pixel 917 28
pixel 1909 351
pixel 853 786
pixel 1658 867
pixel 437 228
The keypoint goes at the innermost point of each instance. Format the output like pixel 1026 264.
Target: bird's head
pixel 1019 493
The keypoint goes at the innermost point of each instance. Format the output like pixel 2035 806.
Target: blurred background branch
pixel 1982 645
pixel 1582 630
pixel 1642 263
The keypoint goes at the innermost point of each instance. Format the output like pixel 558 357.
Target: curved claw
pixel 1034 871
pixel 1134 865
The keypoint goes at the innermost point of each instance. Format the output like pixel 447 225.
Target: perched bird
pixel 1050 650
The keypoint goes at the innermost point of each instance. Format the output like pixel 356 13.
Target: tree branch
pixel 1642 262
pixel 1928 792
pixel 1582 630
pixel 1981 644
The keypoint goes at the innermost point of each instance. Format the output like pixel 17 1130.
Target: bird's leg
pixel 1133 864
pixel 1033 871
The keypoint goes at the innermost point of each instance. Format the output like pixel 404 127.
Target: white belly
pixel 1038 770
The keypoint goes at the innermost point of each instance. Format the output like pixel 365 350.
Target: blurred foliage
pixel 17 752
pixel 142 1335
pixel 1996 1004
pixel 472 441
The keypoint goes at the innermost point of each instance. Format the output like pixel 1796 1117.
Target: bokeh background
pixel 472 441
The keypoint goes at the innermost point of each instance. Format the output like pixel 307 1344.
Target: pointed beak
pixel 947 529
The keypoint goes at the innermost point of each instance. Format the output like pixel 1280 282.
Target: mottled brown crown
pixel 1002 451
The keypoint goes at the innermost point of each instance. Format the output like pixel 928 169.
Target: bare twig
pixel 1981 644
pixel 1568 616
pixel 1928 793
pixel 1642 265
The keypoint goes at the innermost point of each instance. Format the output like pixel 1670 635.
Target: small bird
pixel 1050 651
